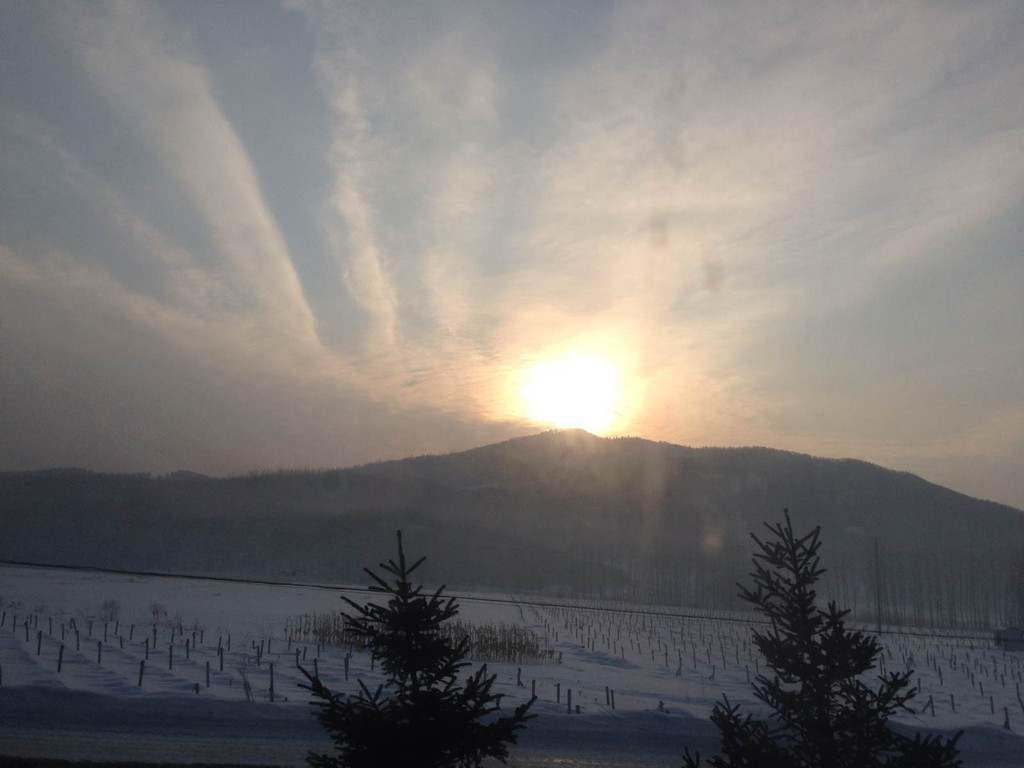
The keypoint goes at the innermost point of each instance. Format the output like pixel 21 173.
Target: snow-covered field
pixel 662 673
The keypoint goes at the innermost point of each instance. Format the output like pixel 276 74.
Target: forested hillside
pixel 561 511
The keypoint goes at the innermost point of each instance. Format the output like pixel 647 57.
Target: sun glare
pixel 572 392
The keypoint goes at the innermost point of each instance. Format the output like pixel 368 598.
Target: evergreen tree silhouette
pixel 824 715
pixel 420 717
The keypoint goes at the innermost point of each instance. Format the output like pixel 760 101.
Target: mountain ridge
pixel 560 510
pixel 380 467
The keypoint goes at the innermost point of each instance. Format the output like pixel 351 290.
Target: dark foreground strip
pixel 43 762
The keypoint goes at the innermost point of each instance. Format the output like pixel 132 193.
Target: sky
pixel 248 235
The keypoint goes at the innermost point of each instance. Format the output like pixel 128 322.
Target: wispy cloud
pixel 783 225
pixel 145 70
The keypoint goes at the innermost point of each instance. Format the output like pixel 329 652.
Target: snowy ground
pixel 665 674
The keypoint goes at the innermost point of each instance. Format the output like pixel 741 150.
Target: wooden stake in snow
pixel 271 682
pixel 568 700
pixel 60 658
pixel 207 673
pixel 99 651
pixel 170 657
pixel 39 642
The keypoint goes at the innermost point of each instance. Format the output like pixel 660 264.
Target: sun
pixel 572 392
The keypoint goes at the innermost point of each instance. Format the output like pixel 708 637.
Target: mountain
pixel 559 511
pixel 730 491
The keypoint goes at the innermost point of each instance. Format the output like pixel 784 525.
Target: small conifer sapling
pixel 420 717
pixel 824 714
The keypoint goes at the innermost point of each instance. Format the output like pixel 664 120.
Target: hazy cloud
pixel 792 226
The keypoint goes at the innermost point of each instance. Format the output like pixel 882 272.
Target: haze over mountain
pixel 238 236
pixel 562 510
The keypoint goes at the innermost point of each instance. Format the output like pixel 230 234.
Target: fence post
pixel 60 658
pixel 142 669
